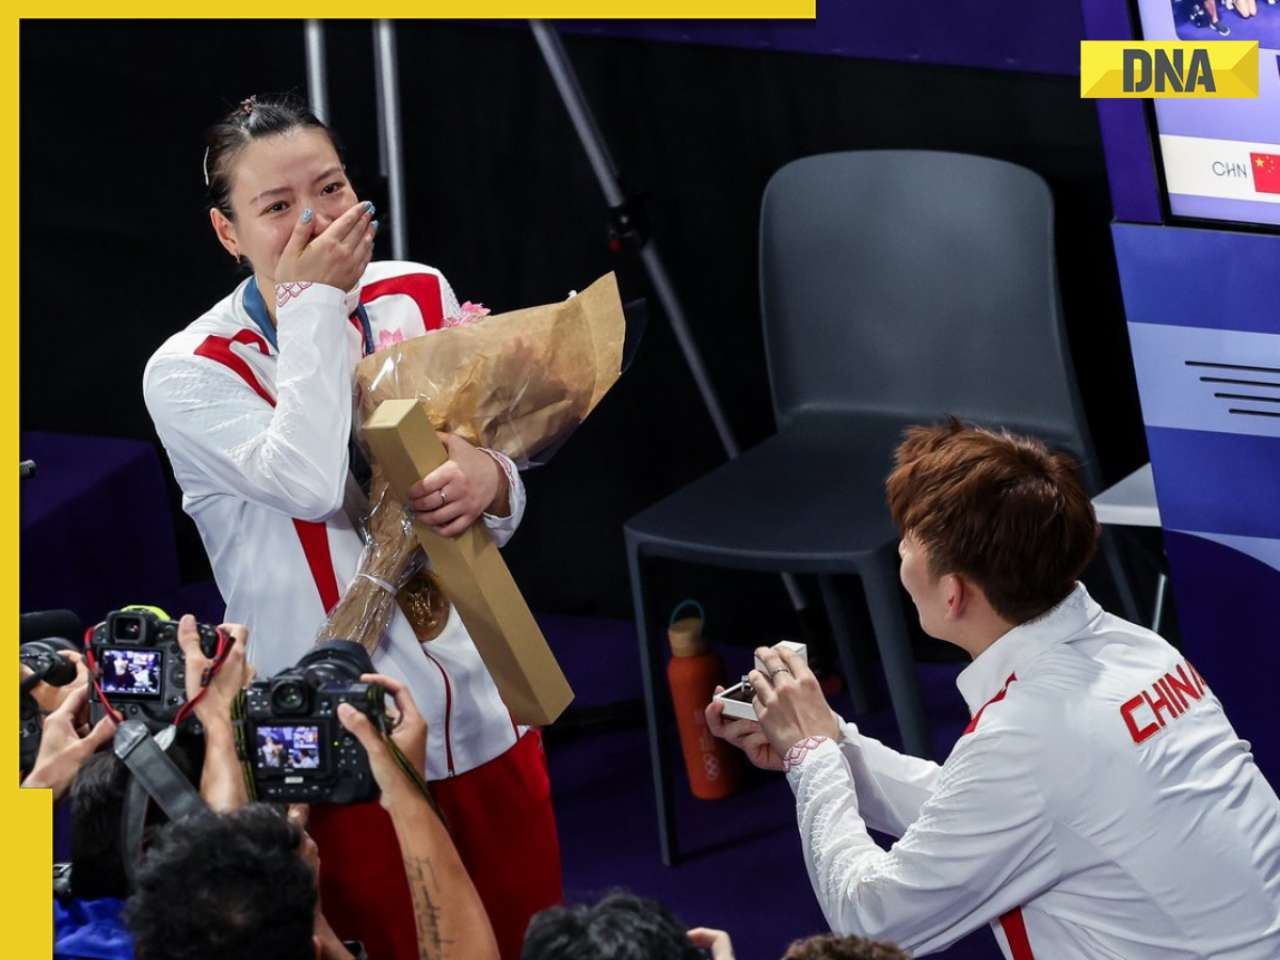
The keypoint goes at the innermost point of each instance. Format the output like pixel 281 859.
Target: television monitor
pixel 1221 158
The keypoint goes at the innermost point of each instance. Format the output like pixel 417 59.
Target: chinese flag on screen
pixel 1266 172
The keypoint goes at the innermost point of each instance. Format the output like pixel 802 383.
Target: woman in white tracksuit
pixel 253 403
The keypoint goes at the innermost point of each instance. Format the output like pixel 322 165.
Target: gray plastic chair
pixel 897 286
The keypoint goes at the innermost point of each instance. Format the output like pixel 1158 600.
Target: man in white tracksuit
pixel 1099 804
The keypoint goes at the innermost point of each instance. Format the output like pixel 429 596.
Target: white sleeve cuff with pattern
pixel 502 528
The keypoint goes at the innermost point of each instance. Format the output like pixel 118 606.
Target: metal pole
pixel 606 172
pixel 317 72
pixel 381 106
pixel 1157 611
pixel 393 146
pixel 575 102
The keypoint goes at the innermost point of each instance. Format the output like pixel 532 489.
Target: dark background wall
pixel 117 251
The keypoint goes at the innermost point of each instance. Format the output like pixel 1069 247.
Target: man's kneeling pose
pixel 1099 804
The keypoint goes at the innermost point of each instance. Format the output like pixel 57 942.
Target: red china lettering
pixel 1186 688
pixel 1170 697
pixel 1127 712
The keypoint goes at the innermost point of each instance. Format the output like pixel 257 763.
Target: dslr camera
pixel 45 661
pixel 140 668
pixel 289 737
pixel 47 665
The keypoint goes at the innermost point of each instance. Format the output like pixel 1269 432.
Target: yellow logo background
pixel 1234 64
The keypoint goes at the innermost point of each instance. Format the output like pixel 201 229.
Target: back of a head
pixel 1003 510
pixel 97 807
pixel 619 927
pixel 828 946
pixel 224 887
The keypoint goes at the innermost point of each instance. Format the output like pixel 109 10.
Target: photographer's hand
pixel 446 907
pixel 214 707
pixel 49 698
pixel 62 748
pixel 716 942
pixel 410 736
pixel 221 780
pixel 746 735
pixel 409 729
pixel 789 701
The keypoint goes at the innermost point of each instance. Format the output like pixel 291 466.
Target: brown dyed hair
pixel 828 946
pixel 1002 510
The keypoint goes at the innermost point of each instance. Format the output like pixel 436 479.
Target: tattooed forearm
pixel 425 888
pixel 448 913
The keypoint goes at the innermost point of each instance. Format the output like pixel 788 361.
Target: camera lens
pixel 37 661
pixel 337 661
pixel 289 696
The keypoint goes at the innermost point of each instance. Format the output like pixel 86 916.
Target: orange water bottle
pixel 714 766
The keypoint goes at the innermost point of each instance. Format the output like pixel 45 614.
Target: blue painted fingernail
pixel 306 215
pixel 374 225
pixel 369 207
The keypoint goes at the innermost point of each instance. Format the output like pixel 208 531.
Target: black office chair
pixel 897 286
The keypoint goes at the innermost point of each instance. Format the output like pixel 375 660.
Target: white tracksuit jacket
pixel 258 443
pixel 1101 806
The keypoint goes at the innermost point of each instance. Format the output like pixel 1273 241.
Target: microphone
pixel 27 469
pixel 43 624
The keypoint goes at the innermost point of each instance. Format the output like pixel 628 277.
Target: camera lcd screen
pixel 288 747
pixel 131 672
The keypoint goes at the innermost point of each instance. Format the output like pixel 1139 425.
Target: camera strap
pixel 62 881
pixel 411 772
pixel 155 777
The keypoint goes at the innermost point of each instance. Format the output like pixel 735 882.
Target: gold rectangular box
pixel 474 575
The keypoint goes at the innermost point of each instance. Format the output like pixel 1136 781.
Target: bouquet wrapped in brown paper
pixel 516 382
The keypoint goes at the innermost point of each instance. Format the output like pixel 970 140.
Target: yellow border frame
pixel 27 815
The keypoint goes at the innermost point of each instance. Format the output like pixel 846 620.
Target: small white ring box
pixel 737 700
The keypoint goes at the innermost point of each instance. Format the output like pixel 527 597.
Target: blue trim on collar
pixel 366 329
pixel 256 307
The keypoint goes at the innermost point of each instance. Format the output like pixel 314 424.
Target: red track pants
pixel 501 821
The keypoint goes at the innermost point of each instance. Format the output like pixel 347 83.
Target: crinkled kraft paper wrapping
pixel 515 382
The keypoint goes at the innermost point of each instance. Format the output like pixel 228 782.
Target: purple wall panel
pixel 1200 277
pixel 1228 609
pixel 1207 358
pixel 1131 162
pixel 1041 37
